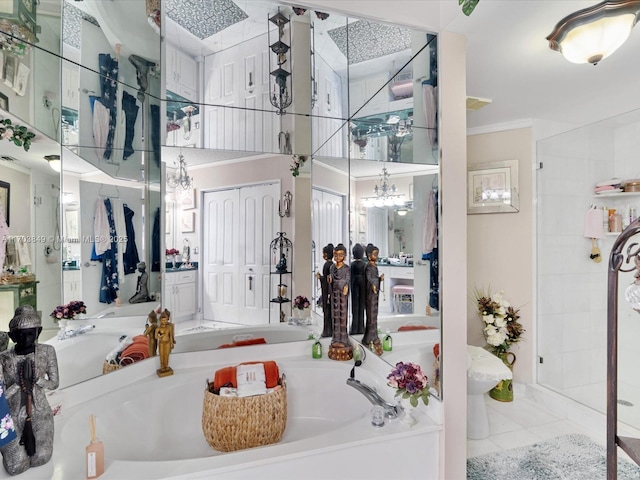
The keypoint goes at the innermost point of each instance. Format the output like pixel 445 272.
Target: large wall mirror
pixel 210 124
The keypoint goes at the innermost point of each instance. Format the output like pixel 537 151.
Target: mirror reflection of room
pixel 240 156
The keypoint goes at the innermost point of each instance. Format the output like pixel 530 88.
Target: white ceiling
pixel 508 61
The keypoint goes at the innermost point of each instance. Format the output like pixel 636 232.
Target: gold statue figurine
pixel 150 333
pixel 166 340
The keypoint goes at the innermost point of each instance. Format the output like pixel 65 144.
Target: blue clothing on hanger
pixel 110 285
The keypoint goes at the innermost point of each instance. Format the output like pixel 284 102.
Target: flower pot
pixel 503 391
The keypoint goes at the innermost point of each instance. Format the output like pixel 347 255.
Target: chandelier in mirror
pixel 281 95
pixel 180 178
pixel 385 193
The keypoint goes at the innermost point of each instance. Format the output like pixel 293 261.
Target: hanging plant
pixel 18 134
pixel 468 6
pixel 298 161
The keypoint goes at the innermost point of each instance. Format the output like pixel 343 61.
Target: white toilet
pixel 484 371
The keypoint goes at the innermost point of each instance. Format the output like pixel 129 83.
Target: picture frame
pixel 10 70
pixel 493 188
pixel 188 199
pixel 188 222
pixel 21 80
pixel 4 102
pixel 5 200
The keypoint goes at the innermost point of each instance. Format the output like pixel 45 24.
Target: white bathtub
pixel 151 427
pixel 127 310
pixel 82 357
pixel 393 322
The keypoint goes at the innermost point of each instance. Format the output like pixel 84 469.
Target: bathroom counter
pixel 151 426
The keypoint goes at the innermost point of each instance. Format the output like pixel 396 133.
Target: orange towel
pixel 138 350
pixel 242 343
pixel 227 375
pixel 408 328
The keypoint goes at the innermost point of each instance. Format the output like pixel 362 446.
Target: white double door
pixel 238 227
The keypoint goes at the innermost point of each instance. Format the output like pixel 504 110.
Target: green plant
pixel 468 6
pixel 18 134
pixel 298 161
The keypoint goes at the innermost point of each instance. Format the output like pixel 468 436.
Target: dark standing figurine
pixel 327 254
pixel 340 348
pixel 372 295
pixel 358 289
pixel 30 368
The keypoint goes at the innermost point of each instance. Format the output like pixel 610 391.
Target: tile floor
pixel 525 422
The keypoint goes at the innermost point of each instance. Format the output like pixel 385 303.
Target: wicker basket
pixel 233 423
pixel 110 367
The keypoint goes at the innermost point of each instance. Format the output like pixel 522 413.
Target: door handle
pixel 250 283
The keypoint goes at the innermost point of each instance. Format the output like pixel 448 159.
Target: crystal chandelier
pixel 385 193
pixel 180 178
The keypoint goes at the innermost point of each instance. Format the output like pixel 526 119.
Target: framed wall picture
pixel 188 199
pixel 5 191
pixel 4 102
pixel 22 79
pixel 493 187
pixel 188 222
pixel 10 69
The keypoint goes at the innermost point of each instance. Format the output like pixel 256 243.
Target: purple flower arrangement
pixel 69 311
pixel 410 382
pixel 301 302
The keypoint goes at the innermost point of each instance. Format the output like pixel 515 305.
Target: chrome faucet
pixel 390 410
pixel 63 334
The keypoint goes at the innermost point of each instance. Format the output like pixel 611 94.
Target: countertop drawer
pixel 176 278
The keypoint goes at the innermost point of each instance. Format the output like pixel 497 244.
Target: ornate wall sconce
pixel 286 200
pixel 281 96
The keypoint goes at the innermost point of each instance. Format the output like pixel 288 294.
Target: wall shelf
pixel 617 195
pixel 281 249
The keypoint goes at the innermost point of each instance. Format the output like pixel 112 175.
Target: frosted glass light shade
pixel 592 34
pixel 595 41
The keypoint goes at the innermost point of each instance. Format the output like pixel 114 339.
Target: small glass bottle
pixel 316 350
pixel 387 342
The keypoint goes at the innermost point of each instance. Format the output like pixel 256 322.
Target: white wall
pixel 500 245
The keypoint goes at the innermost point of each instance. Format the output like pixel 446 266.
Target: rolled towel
pixel 243 343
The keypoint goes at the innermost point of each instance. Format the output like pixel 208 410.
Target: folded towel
pixel 613 181
pixel 124 343
pixel 408 328
pixel 242 343
pixel 227 376
pixel 251 380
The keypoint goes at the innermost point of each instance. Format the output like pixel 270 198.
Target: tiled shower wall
pixel 571 288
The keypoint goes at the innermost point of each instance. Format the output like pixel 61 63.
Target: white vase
pixel 407 417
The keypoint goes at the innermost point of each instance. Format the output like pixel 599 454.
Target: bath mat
pixel 569 457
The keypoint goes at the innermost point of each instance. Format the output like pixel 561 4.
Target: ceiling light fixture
pixel 54 162
pixel 385 193
pixel 180 177
pixel 592 34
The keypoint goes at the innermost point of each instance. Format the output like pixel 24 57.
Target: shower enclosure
pixel 571 286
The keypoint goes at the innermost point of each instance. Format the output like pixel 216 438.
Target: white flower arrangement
pixel 500 320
